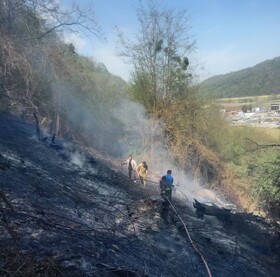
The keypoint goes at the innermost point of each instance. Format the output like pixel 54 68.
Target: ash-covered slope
pixel 58 219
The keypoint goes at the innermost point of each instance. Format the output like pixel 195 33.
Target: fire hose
pixel 188 233
pixel 190 239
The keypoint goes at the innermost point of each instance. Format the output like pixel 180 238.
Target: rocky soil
pixel 61 218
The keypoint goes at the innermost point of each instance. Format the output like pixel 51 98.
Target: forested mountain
pixel 261 79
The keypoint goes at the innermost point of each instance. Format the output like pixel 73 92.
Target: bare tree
pixel 159 54
pixel 42 17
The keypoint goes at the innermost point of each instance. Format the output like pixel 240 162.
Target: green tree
pixel 268 186
pixel 159 55
pixel 163 82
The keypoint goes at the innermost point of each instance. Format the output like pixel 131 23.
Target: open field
pixel 263 101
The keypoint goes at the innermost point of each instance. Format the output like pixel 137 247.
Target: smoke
pixel 118 127
pixel 145 140
pixel 126 129
pixel 77 158
pixel 112 124
pixel 94 121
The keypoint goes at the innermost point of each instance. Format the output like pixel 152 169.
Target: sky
pixel 230 34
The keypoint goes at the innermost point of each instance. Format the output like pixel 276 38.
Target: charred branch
pixel 224 215
pixel 5 199
pixel 38 130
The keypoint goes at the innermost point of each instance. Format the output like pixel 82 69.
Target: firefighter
pixel 166 185
pixel 142 170
pixel 131 166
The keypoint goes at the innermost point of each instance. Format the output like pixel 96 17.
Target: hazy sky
pixel 230 34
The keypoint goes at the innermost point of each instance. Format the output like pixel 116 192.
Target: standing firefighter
pixel 142 170
pixel 166 185
pixel 131 166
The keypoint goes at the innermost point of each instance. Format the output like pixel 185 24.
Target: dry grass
pixel 272 133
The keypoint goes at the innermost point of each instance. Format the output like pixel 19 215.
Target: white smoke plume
pixel 77 158
pixel 125 129
pixel 145 140
pixel 118 129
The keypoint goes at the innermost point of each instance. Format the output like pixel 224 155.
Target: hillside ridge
pixel 261 79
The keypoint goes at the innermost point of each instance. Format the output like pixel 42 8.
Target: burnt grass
pixel 60 219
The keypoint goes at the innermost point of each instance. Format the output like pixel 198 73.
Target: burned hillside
pixel 60 219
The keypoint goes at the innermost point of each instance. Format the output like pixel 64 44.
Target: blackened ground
pixel 61 219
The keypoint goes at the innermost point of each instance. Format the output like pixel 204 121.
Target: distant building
pixel 274 107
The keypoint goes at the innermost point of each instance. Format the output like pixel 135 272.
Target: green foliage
pixel 240 149
pixel 261 79
pixel 268 184
pixel 163 82
pixel 161 69
pixel 140 90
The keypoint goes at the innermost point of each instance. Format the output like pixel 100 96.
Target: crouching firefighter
pixel 166 185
